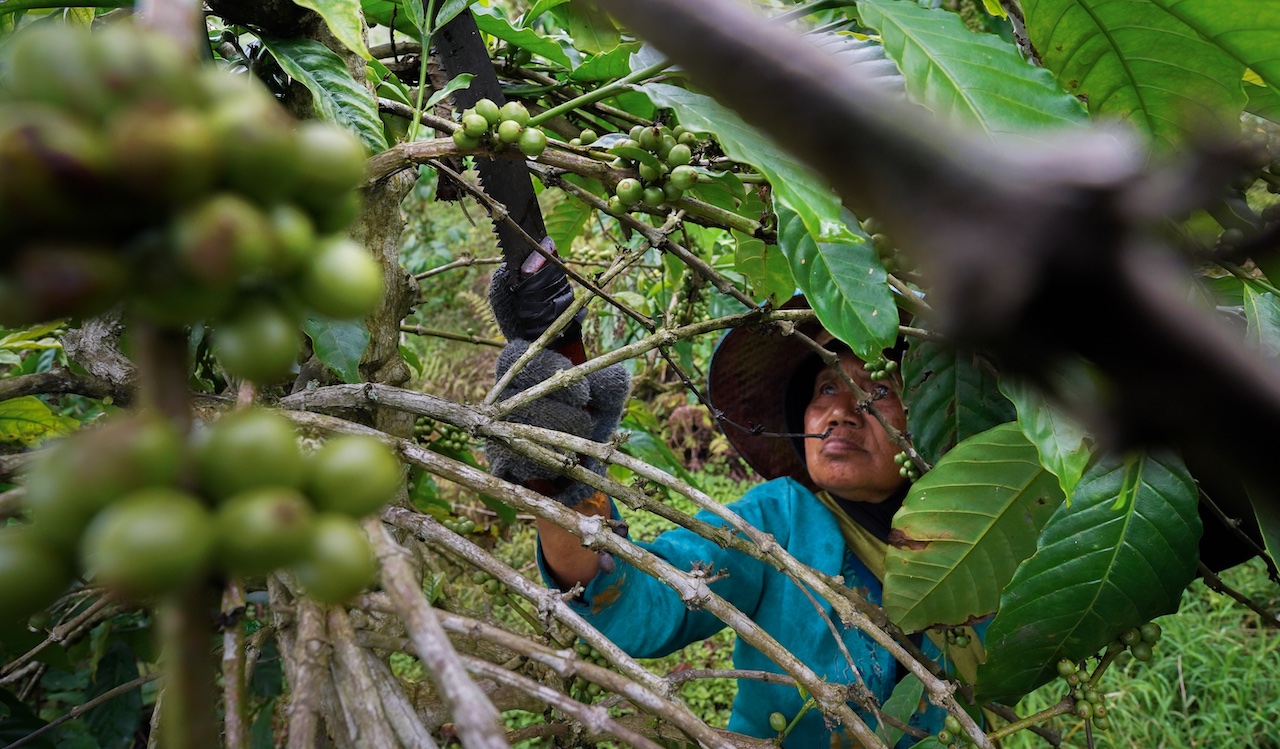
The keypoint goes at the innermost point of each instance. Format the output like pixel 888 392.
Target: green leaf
pixel 528 38
pixel 964 528
pixel 339 344
pixel 972 79
pixel 459 81
pixel 1097 571
pixel 114 722
pixel 902 704
pixel 844 282
pixel 794 186
pixel 36 336
pixel 1263 102
pixel 540 7
pixel 344 19
pixel 1268 515
pixel 950 396
pixel 1133 61
pixel 592 30
pixel 636 153
pixel 414 11
pixel 18 720
pixel 606 67
pixel 641 443
pixel 1262 315
pixel 765 268
pixel 565 221
pixel 27 421
pixel 335 95
pixel 450 9
pixel 1244 29
pixel 1059 440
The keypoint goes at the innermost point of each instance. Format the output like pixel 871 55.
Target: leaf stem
pixel 600 94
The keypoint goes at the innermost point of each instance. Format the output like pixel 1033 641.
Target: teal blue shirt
pixel 647 619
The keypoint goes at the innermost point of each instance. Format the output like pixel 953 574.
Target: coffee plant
pixel 238 511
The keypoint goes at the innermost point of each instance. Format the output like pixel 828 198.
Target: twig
pixel 233 667
pixel 69 631
pixel 61 381
pixel 80 710
pixel 451 336
pixel 595 719
pixel 355 683
pixel 463 262
pixel 402 716
pixel 311 652
pixel 1215 583
pixel 478 722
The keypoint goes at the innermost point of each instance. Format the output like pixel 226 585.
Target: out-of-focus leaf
pixel 964 528
pixel 1136 62
pixel 845 284
pixel 344 21
pixel 28 421
pixel 335 95
pixel 339 344
pixel 1097 571
pixel 950 396
pixel 972 79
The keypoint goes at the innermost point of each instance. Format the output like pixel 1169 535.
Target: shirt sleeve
pixel 647 618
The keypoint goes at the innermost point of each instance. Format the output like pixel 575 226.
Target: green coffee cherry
pixel 487 109
pixel 514 110
pixel 778 722
pixel 532 142
pixel 509 131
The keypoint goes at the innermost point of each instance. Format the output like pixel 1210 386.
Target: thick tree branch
pixel 62 381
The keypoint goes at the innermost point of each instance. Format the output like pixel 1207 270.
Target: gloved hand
pixel 590 408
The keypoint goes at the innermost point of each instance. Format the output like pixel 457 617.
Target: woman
pixel 829 501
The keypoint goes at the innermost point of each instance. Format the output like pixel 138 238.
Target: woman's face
pixel 855 461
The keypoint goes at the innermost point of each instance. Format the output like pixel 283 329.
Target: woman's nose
pixel 845 408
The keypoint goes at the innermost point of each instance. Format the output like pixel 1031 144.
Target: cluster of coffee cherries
pixel 1089 703
pixel 501 127
pixel 580 689
pixel 442 437
pixel 892 260
pixel 134 506
pixel 130 173
pixel 952 733
pixel 906 468
pixel 880 369
pixel 661 156
pixel 958 637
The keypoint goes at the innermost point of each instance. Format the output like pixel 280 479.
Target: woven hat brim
pixel 748 377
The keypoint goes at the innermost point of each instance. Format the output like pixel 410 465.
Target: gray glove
pixel 590 408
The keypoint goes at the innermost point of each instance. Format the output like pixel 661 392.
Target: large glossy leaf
pixel 972 79
pixel 844 283
pixel 1105 563
pixel 344 21
pixel 794 186
pixel 964 528
pixel 339 344
pixel 951 395
pixel 606 67
pixel 592 31
pixel 1245 29
pixel 1059 439
pixel 1264 102
pixel 336 96
pixel 1262 314
pixel 529 39
pixel 27 421
pixel 1134 61
pixel 1268 515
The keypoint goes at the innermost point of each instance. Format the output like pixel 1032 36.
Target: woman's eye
pixel 828 388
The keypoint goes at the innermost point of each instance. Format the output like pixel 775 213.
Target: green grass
pixel 1212 683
